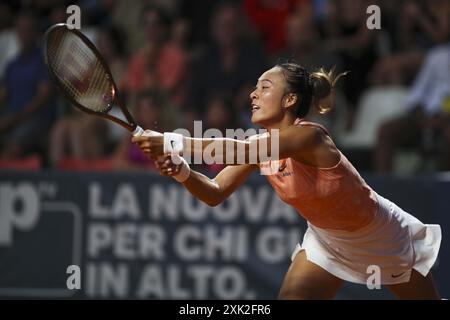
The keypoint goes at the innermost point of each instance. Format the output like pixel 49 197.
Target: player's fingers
pixel 139 139
pixel 167 172
pixel 144 144
pixel 176 169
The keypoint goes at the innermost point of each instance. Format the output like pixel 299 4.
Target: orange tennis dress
pixel 350 227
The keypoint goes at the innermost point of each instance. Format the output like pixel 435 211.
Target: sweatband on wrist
pixel 185 170
pixel 173 143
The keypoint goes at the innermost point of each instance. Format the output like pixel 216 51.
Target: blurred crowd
pixel 176 61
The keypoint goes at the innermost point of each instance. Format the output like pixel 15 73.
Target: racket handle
pixel 149 133
pixel 137 132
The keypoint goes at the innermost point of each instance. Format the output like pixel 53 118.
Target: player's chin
pixel 257 119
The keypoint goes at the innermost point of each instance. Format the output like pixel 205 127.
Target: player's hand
pixel 166 167
pixel 152 146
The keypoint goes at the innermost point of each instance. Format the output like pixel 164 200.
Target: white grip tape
pixel 146 133
pixel 173 143
pixel 185 170
pixel 137 132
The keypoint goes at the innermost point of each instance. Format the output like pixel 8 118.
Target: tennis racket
pixel 83 76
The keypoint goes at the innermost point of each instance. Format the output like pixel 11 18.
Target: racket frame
pixel 131 124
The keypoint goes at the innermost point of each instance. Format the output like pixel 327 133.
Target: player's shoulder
pixel 311 129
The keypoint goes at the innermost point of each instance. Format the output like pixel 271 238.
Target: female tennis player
pixel 350 226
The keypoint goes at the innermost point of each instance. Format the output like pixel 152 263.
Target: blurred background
pixel 176 61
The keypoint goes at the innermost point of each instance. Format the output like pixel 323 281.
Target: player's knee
pixel 291 295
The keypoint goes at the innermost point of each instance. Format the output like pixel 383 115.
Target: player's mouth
pixel 255 108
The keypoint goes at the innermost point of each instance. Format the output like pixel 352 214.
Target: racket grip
pixel 137 132
pixel 149 133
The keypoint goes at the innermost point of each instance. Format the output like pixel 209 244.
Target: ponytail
pixel 323 84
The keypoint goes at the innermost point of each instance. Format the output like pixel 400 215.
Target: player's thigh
pixel 306 280
pixel 418 287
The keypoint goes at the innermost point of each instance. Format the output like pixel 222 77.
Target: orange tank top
pixel 330 198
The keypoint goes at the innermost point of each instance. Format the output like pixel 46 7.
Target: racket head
pixel 81 73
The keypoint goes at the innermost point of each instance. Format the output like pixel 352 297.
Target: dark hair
pixel 313 89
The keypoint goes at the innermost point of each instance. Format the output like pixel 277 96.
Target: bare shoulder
pixel 317 147
pixel 304 135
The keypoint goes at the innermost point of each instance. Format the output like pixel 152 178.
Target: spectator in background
pixel 229 65
pixel 303 43
pixel 197 16
pixel 110 43
pixel 77 138
pixel 219 115
pixel 8 39
pixel 426 126
pixel 27 110
pixel 161 64
pixel 81 137
pixel 268 17
pixel 349 37
pixel 149 114
pixel 422 25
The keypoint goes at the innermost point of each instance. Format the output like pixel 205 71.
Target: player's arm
pixel 294 141
pixel 211 191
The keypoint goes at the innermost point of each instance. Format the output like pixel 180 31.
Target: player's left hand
pixel 167 167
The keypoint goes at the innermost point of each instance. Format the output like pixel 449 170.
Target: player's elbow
pixel 214 202
pixel 214 199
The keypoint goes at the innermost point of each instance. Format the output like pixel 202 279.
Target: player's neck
pixel 286 121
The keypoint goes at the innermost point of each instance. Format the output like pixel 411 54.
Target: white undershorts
pixel 394 241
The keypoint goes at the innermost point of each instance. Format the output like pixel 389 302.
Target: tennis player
pixel 350 226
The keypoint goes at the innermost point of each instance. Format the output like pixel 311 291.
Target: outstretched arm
pixel 294 141
pixel 211 191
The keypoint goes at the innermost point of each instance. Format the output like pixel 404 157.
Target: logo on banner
pixel 38 231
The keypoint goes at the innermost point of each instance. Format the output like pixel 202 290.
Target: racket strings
pixel 79 71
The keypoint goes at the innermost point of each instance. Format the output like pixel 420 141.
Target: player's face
pixel 267 98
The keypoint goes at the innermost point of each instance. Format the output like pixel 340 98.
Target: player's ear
pixel 290 100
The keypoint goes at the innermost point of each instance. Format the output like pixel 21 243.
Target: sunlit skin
pixel 270 103
pixel 274 107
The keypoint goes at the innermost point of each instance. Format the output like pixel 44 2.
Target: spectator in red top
pixel 269 16
pixel 160 63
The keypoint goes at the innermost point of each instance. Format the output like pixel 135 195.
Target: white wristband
pixel 173 143
pixel 185 170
